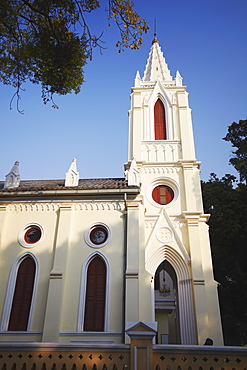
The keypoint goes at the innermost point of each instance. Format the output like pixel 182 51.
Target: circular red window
pixel 32 235
pixel 163 194
pixel 98 235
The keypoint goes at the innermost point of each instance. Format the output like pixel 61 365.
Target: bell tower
pixel 177 247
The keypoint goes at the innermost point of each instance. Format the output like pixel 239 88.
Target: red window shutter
pixel 95 296
pixel 22 299
pixel 159 121
pixel 162 194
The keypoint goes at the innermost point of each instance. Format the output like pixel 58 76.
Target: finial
pixel 155 39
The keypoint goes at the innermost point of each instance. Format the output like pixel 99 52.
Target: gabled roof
pixel 84 184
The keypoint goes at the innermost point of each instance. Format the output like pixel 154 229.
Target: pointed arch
pixel 93 306
pixel 159 121
pixel 167 304
pixel 186 310
pixel 94 317
pixel 158 93
pixel 20 294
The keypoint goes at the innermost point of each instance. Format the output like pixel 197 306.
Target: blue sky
pixel 205 40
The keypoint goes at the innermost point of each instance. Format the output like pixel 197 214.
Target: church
pixel 85 260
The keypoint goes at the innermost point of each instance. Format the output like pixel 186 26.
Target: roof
pixel 84 184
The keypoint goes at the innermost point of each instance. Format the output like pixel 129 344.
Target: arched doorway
pixel 166 304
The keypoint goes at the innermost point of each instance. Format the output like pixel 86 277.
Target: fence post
pixel 141 344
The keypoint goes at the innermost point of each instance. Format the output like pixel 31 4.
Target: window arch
pixel 22 299
pixel 28 264
pixel 159 121
pixel 95 298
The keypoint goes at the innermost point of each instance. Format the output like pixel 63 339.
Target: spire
pixel 156 68
pixel 13 177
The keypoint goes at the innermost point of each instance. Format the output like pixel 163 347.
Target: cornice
pixel 53 207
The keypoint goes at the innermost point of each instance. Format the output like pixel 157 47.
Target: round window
pixel 30 235
pixel 97 235
pixel 163 194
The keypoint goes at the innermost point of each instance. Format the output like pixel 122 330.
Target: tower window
pixel 159 121
pixel 162 194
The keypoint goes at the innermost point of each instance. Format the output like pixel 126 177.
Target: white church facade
pixel 84 259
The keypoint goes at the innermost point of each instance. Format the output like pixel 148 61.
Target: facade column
pixel 187 139
pixel 200 300
pixel 135 122
pixel 4 219
pixel 186 312
pixel 56 285
pixel 211 291
pixel 132 265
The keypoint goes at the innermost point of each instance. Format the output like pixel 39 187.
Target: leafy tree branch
pixel 48 42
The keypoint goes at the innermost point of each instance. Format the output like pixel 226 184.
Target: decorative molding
pixel 56 274
pixel 149 224
pixel 164 234
pixel 192 218
pixel 159 170
pixel 99 206
pixel 178 224
pixel 198 281
pixel 132 274
pixel 53 207
pixel 22 207
pixel 164 151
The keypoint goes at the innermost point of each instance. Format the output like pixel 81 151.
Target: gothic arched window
pixel 94 318
pixel 22 299
pixel 159 121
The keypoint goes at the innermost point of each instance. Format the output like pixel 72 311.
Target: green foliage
pixel 237 135
pixel 49 41
pixel 228 234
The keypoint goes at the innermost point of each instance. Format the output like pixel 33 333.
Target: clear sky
pixel 205 40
